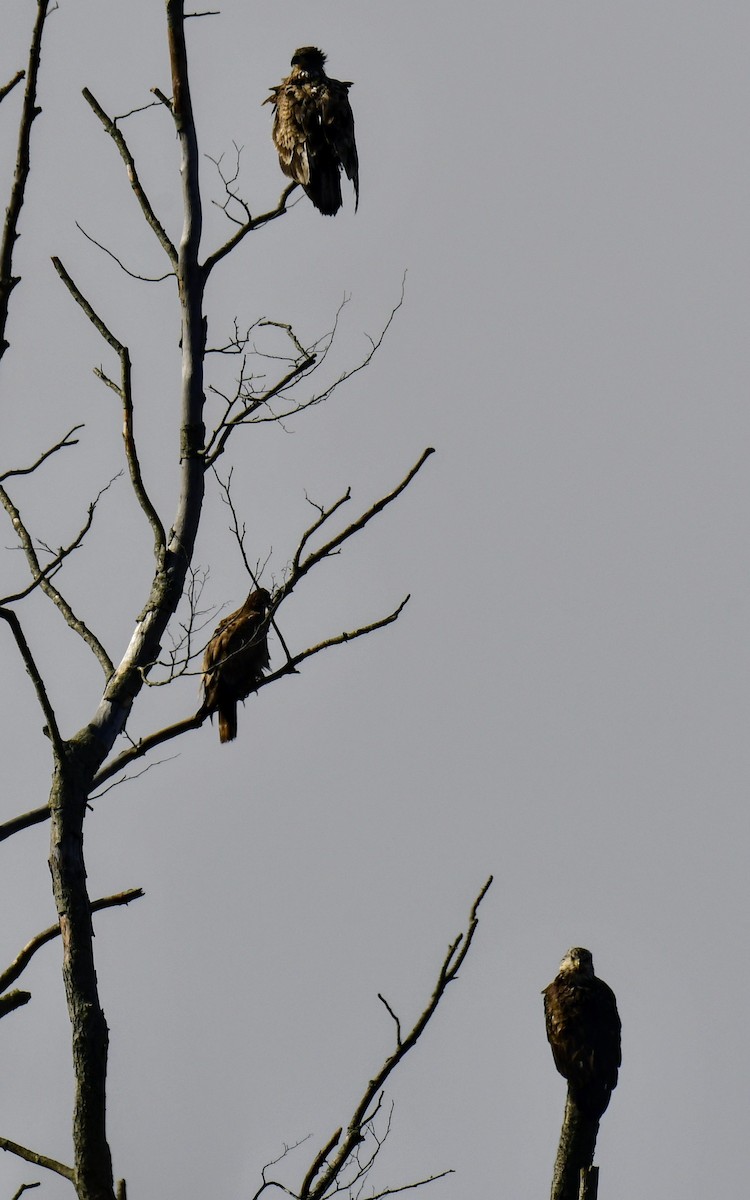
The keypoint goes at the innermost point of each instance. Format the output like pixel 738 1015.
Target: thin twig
pixel 120 263
pixel 40 576
pixel 63 444
pixel 300 567
pixel 248 227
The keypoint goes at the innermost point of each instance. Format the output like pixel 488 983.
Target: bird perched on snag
pixel 313 130
pixel 583 1029
pixel 235 660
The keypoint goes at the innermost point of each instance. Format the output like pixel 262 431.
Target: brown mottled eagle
pixel 583 1029
pixel 235 660
pixel 313 130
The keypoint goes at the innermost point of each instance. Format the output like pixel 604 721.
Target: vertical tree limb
pixel 575 1152
pixel 29 112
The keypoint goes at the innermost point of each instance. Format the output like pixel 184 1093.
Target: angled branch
pixel 63 444
pixel 8 87
pixel 29 112
pixel 40 576
pixel 25 1187
pixel 318 1185
pixel 135 183
pixel 111 254
pixel 25 821
pixel 125 392
pixel 301 566
pixel 251 224
pixel 33 672
pixel 22 960
pixel 197 719
pixel 39 1160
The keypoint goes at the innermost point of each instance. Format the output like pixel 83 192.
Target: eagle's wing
pixel 337 121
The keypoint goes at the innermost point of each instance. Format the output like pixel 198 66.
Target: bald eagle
pixel 235 660
pixel 313 130
pixel 583 1029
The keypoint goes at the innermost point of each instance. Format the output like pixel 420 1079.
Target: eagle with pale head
pixel 583 1029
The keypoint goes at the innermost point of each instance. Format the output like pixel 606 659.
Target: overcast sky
pixel 564 701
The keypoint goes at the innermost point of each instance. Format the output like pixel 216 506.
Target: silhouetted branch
pixel 63 444
pixel 25 1187
pixel 300 567
pixel 135 182
pixel 41 576
pixel 125 392
pixel 8 87
pixel 22 960
pixel 31 668
pixel 251 224
pixel 340 1151
pixel 111 254
pixel 29 112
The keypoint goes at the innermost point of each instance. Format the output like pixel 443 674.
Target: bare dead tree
pixel 574 1171
pixel 269 387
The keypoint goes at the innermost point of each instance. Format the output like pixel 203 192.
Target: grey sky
pixel 564 702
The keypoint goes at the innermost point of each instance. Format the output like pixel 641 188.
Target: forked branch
pixel 125 391
pixel 41 576
pixel 151 218
pixel 324 1175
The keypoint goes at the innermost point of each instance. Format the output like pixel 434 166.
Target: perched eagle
pixel 235 660
pixel 583 1029
pixel 313 130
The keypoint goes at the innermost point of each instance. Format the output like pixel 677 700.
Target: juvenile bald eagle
pixel 313 130
pixel 235 660
pixel 583 1029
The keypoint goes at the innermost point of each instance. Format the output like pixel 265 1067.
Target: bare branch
pixel 39 1160
pixel 8 87
pixel 13 1000
pixel 300 567
pixel 125 392
pixel 31 668
pixel 395 1018
pixel 405 1187
pixel 239 536
pixel 248 227
pixel 22 960
pixel 453 960
pixel 25 1187
pixel 575 1152
pixel 40 576
pixel 63 444
pixel 29 112
pixel 120 263
pixel 135 182
pixel 25 821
